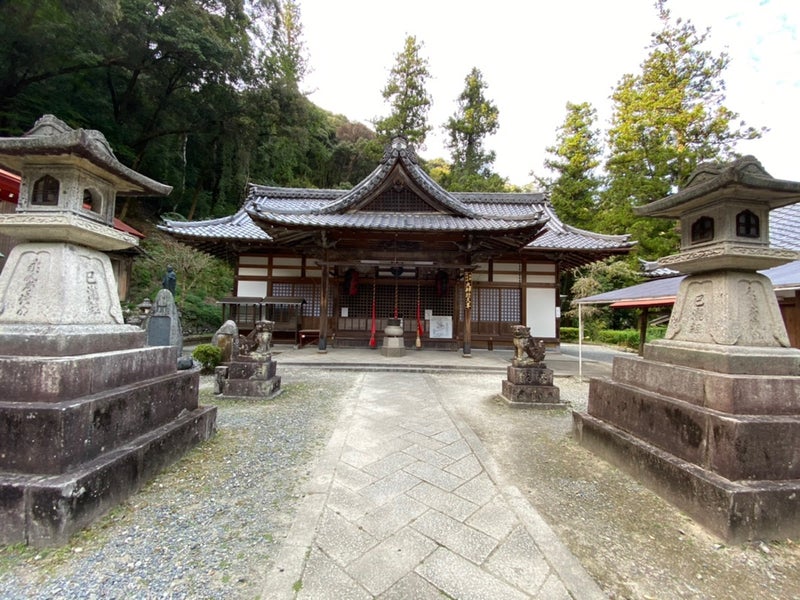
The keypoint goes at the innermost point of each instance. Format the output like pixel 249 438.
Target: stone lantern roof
pixel 50 137
pixel 743 179
pixel 70 179
pixel 724 213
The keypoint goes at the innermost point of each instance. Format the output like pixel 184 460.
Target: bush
pixel 200 316
pixel 627 338
pixel 208 355
pixel 569 334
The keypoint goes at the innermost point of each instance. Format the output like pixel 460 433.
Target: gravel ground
pixel 210 525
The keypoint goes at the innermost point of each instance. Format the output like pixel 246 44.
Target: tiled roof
pixel 238 226
pixel 297 206
pixel 288 208
pixel 784 227
pixel 393 221
pixel 559 236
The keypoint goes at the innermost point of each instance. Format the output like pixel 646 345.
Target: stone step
pixel 68 433
pixel 45 510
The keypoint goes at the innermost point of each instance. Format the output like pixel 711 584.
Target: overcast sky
pixel 536 56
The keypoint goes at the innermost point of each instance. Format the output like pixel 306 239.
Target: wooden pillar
pixel 323 310
pixel 642 329
pixel 467 314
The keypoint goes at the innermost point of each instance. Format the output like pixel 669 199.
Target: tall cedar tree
pixel 666 120
pixel 476 118
pixel 575 158
pixel 407 96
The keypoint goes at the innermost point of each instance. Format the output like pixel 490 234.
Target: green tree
pixel 596 278
pixel 407 96
pixel 292 49
pixel 666 120
pixel 200 94
pixel 575 158
pixel 475 119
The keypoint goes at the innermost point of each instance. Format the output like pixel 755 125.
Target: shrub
pixel 628 338
pixel 569 334
pixel 208 355
pixel 200 316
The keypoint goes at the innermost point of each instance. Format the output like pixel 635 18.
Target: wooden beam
pixel 467 352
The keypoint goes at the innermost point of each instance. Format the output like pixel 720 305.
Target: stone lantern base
pixel 719 444
pixel 82 433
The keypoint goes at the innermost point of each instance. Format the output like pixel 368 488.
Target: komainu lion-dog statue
pixel 527 350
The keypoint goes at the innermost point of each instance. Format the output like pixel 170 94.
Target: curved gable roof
pixel 399 196
pixel 398 167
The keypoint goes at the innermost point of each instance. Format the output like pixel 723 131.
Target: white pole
pixel 580 341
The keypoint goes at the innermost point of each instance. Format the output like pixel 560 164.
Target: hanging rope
pixel 372 339
pixel 419 321
pixel 396 283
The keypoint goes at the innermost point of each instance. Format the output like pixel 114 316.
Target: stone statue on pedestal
pixel 170 280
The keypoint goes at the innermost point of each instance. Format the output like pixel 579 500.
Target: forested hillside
pixel 203 96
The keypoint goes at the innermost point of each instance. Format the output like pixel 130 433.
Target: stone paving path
pixel 406 503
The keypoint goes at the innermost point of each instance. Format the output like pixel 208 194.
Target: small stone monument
pixel 529 382
pixel 164 323
pixel 393 342
pixel 88 411
pixel 709 417
pixel 250 371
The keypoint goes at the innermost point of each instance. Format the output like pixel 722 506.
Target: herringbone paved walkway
pixel 406 503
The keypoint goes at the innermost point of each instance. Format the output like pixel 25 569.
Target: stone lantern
pixel 88 411
pixel 725 309
pixel 59 282
pixel 709 417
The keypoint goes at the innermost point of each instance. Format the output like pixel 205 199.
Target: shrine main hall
pixel 456 268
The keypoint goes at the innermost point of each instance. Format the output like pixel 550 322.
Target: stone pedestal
pixel 531 387
pixel 79 433
pixel 248 377
pixel 393 343
pixel 720 446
